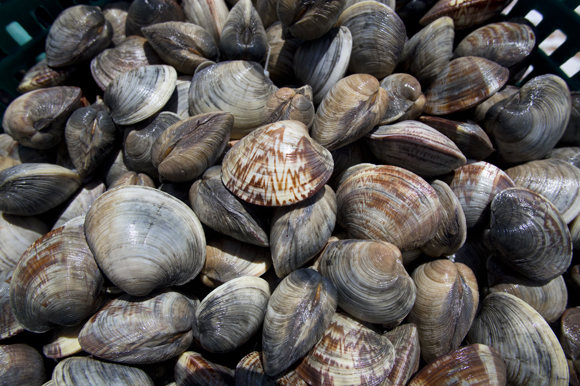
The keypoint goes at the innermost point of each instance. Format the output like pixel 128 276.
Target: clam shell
pixel 480 110
pixel 78 33
pixel 291 104
pixel 130 95
pixel 140 330
pixel 346 157
pixel 465 13
pixel 405 339
pixel 21 365
pixel 446 303
pixel 143 13
pixel 405 99
pixel 63 343
pixel 9 326
pixel 211 15
pixel 378 37
pixel 299 312
pixel 570 333
pixel 42 76
pixel 113 167
pixel 179 101
pixel 282 51
pixel 527 232
pixel 388 203
pixel 267 167
pixel 372 284
pixel 132 178
pixel 250 371
pixel 481 364
pixel 138 254
pixel 571 136
pixel 231 314
pixel 570 155
pixel 192 369
pixel 116 14
pixel 80 202
pixel 267 11
pixel 525 341
pixel 309 20
pixel 30 189
pixel 348 354
pixel 352 107
pixel 243 36
pixel 57 281
pixel 87 371
pixel 464 83
pixel 16 234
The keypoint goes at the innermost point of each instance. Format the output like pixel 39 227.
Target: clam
pixel 131 53
pixel 78 33
pixel 21 365
pixel 372 284
pixel 140 330
pixel 250 371
pixel 525 341
pixel 116 14
pixel 30 189
pixel 291 104
pixel 309 20
pixel 282 50
pixel 405 99
pixel 188 147
pixel 465 13
pixel 63 343
pixel 9 326
pixel 16 234
pixel 378 37
pixel 416 147
pixel 527 125
pixel 570 333
pixel 237 87
pixel 132 178
pixel 179 101
pixel 464 83
pixel 388 203
pixel 504 43
pixel 143 13
pixel 267 167
pixel 211 15
pixel 267 11
pixel 528 233
pixel 220 210
pixel 348 354
pixel 429 51
pixel 87 371
pixel 352 107
pixel 80 202
pixel 143 238
pixel 182 45
pixel 228 259
pixel 90 137
pixel 570 155
pixel 389 3
pixel 42 76
pixel 192 369
pixel 321 63
pixel 572 132
pixel 243 36
pixel 231 314
pixel 480 110
pixel 299 312
pixel 481 364
pixel 130 95
pixel 300 231
pixel 57 281
pixel 37 119
pixel 405 339
pixel 446 303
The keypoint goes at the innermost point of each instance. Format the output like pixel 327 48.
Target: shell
pixel 405 339
pixel 80 202
pixel 37 119
pixel 21 365
pixel 525 341
pixel 143 13
pixel 300 231
pixel 309 20
pixel 122 236
pixel 30 189
pixel 572 132
pixel 132 178
pixel 113 167
pixel 87 371
pixel 283 180
pixel 179 101
pixel 250 371
pixel 373 201
pixel 9 326
pixel 291 104
pixel 405 99
pixel 116 14
pixel 570 155
pixel 416 147
pixel 267 11
pixel 372 284
pixel 231 314
pixel 446 303
pixel 129 95
pixel 282 51
pixel 527 232
pixel 348 354
pixel 570 333
pixel 140 330
pixel 527 125
pixel 465 13
pixel 299 312
pixel 78 33
pixel 42 76
pixel 243 36
pixel 63 343
pixel 57 281
pixel 194 370
pixel 16 234
pixel 466 82
pixel 378 37
pixel 352 107
pixel 211 15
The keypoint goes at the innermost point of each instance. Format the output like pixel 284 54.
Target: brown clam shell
pixel 194 369
pixel 465 13
pixel 405 98
pixel 42 76
pixel 21 365
pixel 405 339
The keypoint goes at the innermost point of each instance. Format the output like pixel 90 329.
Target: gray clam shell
pixel 21 365
pixel 243 36
pixel 143 13
pixel 9 326
pixel 211 15
pixel 87 371
pixel 80 202
pixel 16 234
pixel 309 20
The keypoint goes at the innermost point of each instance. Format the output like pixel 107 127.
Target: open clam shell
pixel 268 166
pixel 143 13
pixel 243 36
pixel 309 20
pixel 21 365
pixel 87 371
pixel 143 238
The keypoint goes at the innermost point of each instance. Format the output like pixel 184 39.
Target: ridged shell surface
pixel 16 235
pixel 143 13
pixel 208 14
pixel 42 76
pixel 282 50
pixel 80 202
pixel 243 36
pixel 405 339
pixel 63 343
pixel 87 371
pixel 405 98
pixel 465 13
pixel 309 20
pixel 250 371
pixel 21 365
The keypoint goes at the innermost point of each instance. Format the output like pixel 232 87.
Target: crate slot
pixel 552 42
pixel 534 17
pixel 19 34
pixel 43 16
pixel 577 10
pixel 509 7
pixel 572 65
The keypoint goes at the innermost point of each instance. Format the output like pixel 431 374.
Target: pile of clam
pixel 290 192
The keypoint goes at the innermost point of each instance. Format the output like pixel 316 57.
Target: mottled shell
pixel 480 364
pixel 243 36
pixel 405 339
pixel 388 203
pixel 525 341
pixel 128 226
pixel 464 83
pixel 143 13
pixel 30 189
pixel 231 314
pixel 21 365
pixel 87 371
pixel 372 284
pixel 465 13
pixel 42 76
pixel 352 107
pixel 140 330
pixel 192 369
pixel 446 303
pixel 211 15
pixel 16 234
pixel 309 20
pixel 348 354
pixel 268 166
pixel 405 98
pixel 57 281
pixel 299 312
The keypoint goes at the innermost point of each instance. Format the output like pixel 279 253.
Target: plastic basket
pixel 24 25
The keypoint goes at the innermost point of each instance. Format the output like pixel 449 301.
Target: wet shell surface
pixel 78 204
pixel 42 76
pixel 276 165
pixel 87 371
pixel 143 238
pixel 405 339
